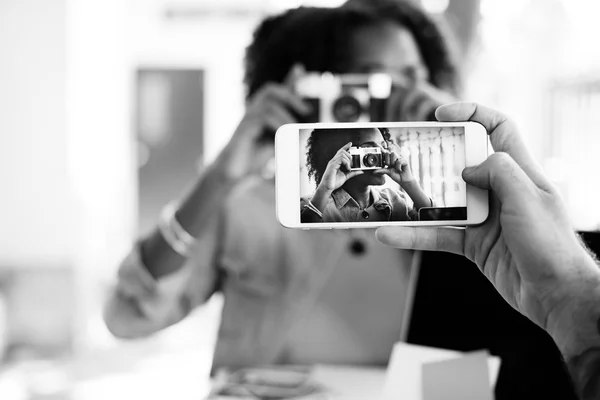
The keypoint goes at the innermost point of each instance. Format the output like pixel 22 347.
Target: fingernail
pixel 469 170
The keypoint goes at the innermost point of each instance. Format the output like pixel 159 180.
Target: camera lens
pixel 372 160
pixel 347 109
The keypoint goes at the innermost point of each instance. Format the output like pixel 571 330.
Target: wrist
pixel 231 165
pixel 574 317
pixel 320 197
pixel 173 232
pixel 407 184
pixel 209 191
pixel 323 191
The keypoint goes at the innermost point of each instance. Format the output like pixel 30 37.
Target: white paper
pixel 404 374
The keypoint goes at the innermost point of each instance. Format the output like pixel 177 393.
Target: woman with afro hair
pixel 291 296
pixel 348 194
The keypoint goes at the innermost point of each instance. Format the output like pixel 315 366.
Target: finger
pixel 346 147
pixel 284 95
pixel 501 174
pixel 282 114
pixel 503 133
pixel 451 240
pixel 337 159
pixel 386 158
pixel 344 151
pixel 381 171
pixel 276 117
pixel 346 163
pixel 347 157
pixel 271 122
pixel 354 173
pixel 401 161
pixel 421 106
pixel 294 74
pixel 393 147
pixel 397 165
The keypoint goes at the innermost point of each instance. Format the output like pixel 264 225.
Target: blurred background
pixel 108 109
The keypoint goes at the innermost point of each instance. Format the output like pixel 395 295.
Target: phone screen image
pixel 376 173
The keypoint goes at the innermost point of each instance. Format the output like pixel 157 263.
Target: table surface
pixel 165 376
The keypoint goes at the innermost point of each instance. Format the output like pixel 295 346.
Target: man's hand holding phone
pixel 527 247
pixel 303 149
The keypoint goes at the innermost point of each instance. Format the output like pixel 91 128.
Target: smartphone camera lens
pixel 357 247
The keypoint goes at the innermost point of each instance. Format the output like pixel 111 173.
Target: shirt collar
pixel 376 195
pixel 341 197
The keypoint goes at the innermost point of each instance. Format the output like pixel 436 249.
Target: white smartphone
pixel 371 174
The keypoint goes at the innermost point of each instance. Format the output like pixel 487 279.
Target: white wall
pixel 66 159
pixel 101 155
pixel 35 198
pixel 214 43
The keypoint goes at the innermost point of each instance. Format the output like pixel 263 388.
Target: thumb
pixel 352 174
pixel 501 174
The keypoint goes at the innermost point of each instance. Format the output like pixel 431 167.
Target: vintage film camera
pixel 365 158
pixel 345 97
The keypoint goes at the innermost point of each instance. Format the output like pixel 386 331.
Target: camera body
pixel 366 158
pixel 345 97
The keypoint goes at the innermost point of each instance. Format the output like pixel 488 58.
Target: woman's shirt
pixel 358 314
pixel 387 205
pixel 278 284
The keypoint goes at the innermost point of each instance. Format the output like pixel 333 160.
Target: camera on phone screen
pixel 345 97
pixel 365 158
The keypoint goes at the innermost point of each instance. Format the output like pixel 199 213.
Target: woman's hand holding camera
pixel 273 105
pixel 415 99
pixel 338 170
pixel 398 168
pixel 395 165
pixel 421 101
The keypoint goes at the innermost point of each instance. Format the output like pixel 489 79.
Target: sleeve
pixel 139 305
pixel 414 214
pixel 309 213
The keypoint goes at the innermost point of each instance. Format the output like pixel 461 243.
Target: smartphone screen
pixel 386 174
pixel 352 175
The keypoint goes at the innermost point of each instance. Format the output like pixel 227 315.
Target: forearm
pixel 194 213
pixel 585 373
pixel 320 198
pixel 418 196
pixel 125 319
pixel 130 317
pixel 575 326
